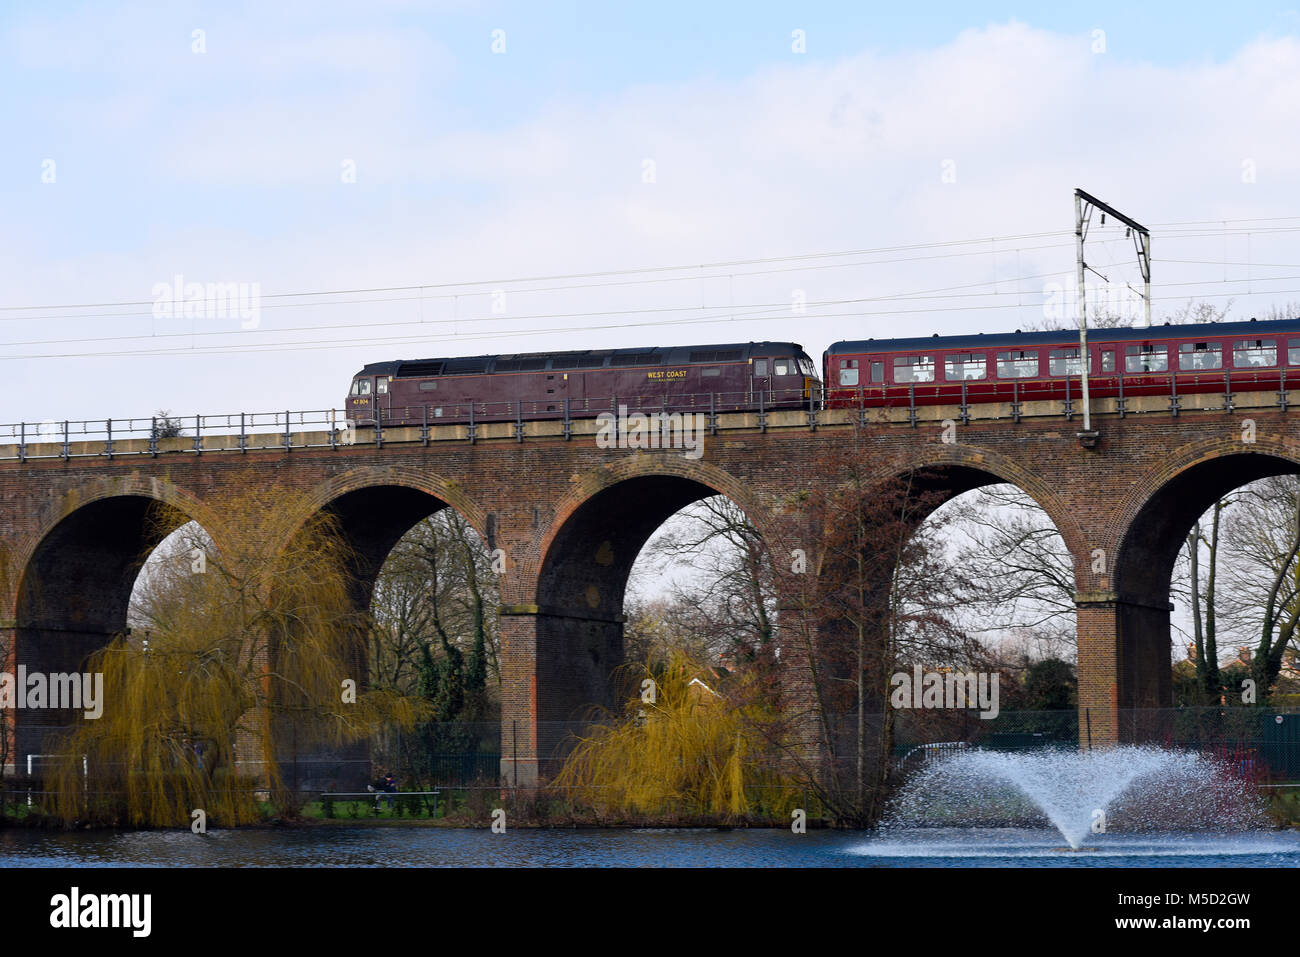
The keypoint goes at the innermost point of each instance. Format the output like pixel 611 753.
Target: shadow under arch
pixel 375 507
pixel 585 560
pixel 371 509
pixel 1156 518
pixel 74 586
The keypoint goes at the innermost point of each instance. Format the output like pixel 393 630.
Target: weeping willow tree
pixel 232 649
pixel 690 751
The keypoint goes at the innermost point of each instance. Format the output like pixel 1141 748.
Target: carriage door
pixel 760 381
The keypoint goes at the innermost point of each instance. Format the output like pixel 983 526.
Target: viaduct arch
pixel 570 517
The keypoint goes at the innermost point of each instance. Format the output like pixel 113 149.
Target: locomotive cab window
pixel 1146 358
pixel 1018 365
pixel 760 367
pixel 806 366
pixel 381 386
pixel 849 372
pixel 1193 356
pixel 913 368
pixel 363 387
pixel 965 365
pixel 782 367
pixel 1254 352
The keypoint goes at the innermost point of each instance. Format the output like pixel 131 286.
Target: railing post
pixel 198 435
pixel 379 425
pixel 519 420
pixel 424 424
pixel 288 436
pixel 713 414
pixel 911 404
pixel 471 424
pixel 67 450
pixel 108 443
pixel 1121 404
pixel 1069 402
pixel 1227 391
pixel 1281 395
pixel 1173 395
pixel 568 423
pixel 965 407
pixel 1015 400
pixel 22 441
pixel 762 412
pixel 153 436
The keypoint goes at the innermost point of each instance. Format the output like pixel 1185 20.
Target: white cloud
pixel 814 156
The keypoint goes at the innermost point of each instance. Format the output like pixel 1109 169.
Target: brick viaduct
pixel 572 518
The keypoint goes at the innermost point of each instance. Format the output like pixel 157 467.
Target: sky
pixel 388 180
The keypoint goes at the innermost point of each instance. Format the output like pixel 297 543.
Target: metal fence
pixel 1227 391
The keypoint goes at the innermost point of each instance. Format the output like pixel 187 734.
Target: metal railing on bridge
pixel 331 428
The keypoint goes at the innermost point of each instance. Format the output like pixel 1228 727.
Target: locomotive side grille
pixel 417 369
pixel 528 364
pixel 716 355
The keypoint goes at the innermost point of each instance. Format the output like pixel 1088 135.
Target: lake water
pixel 362 846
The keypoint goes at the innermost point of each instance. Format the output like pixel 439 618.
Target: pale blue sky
pixel 473 165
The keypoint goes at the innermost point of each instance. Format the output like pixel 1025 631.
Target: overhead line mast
pixel 1084 204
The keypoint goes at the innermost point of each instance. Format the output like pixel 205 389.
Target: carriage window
pixel 1293 352
pixel 1107 361
pixel 877 372
pixel 365 387
pixel 782 367
pixel 849 372
pixel 709 373
pixel 914 368
pixel 1064 362
pixel 1254 352
pixel 1200 355
pixel 965 365
pixel 760 367
pixel 1146 358
pixel 381 386
pixel 1017 365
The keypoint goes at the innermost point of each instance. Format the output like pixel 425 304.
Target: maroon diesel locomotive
pixel 1027 366
pixel 546 385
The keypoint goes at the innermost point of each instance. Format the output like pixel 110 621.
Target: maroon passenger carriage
pixel 552 385
pixel 1246 356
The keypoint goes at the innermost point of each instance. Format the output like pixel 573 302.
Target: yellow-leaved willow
pixel 251 634
pixel 681 752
